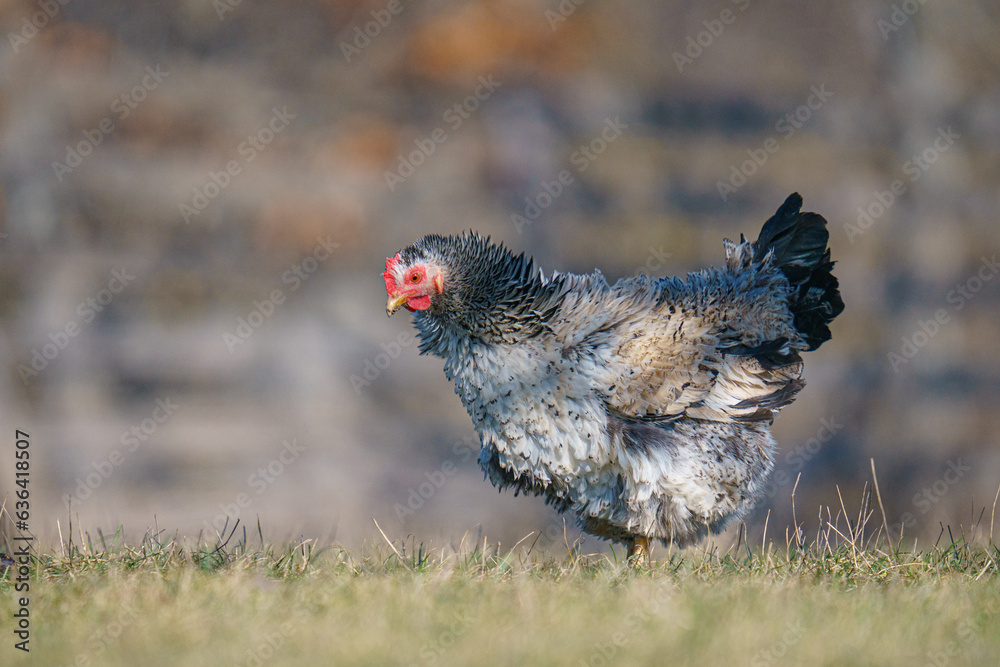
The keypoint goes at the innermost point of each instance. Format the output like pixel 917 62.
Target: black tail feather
pixel 798 243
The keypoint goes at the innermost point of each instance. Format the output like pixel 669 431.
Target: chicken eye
pixel 415 278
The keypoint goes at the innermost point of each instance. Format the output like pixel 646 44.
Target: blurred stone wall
pixel 198 197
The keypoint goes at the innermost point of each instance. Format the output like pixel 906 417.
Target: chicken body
pixel 643 407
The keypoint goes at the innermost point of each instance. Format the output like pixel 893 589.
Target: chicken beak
pixel 394 304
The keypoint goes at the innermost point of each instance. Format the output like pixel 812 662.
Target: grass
pixel 846 597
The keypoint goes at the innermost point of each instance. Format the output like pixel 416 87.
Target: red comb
pixel 390 280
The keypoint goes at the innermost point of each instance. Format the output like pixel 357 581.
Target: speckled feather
pixel 644 407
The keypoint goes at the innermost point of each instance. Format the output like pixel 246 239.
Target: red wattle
pixel 419 303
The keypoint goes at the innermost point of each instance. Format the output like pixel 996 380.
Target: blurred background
pixel 197 199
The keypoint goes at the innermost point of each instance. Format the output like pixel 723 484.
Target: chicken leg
pixel 638 551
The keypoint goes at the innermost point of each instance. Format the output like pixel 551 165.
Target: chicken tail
pixel 797 245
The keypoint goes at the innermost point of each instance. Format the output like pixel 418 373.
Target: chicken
pixel 643 407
